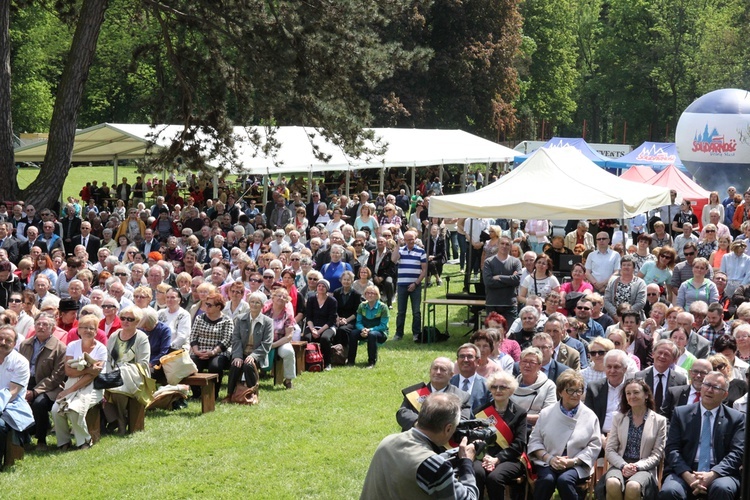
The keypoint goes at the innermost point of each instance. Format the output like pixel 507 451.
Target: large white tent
pixel 405 148
pixel 554 184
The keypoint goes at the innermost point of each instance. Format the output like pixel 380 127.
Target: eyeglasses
pixel 710 230
pixel 108 306
pixel 499 387
pixel 312 279
pixel 141 296
pixel 18 301
pixel 86 329
pixel 602 239
pixel 256 280
pixel 689 254
pixel 713 387
pixel 583 308
pixel 209 304
pixel 574 392
pixel 468 357
pixel 268 277
pixel 529 362
pixel 664 256
pixel 129 319
pixel 597 353
pixel 699 373
pixel 121 274
pixel 132 253
pixel 238 291
pixel 720 366
pixel 617 344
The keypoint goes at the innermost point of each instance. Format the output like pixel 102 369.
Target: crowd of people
pixel 108 285
pixel 627 371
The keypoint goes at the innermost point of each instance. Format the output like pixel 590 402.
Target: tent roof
pixel 657 155
pixel 572 143
pixel 638 173
pixel 558 183
pixel 686 188
pixel 406 148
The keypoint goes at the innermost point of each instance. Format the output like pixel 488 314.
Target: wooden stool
pixel 208 392
pixel 13 452
pixel 299 354
pixel 136 416
pixel 278 371
pixel 94 422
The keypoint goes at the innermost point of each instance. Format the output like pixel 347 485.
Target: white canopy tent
pixel 554 184
pixel 406 148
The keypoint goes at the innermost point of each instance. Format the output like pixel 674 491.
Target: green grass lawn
pixel 314 441
pixel 79 176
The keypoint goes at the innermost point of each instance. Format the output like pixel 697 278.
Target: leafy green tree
pixel 548 88
pixel 214 65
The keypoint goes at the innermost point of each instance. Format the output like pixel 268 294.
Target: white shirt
pixel 613 404
pixel 15 369
pixel 603 264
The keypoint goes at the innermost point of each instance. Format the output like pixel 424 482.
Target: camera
pixel 478 432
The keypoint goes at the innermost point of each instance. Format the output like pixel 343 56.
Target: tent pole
pixel 215 181
pixel 440 174
pixel 348 180
pixel 413 176
pixel 470 248
pixel 309 186
pixel 465 178
pixel 265 189
pixel 115 169
pixel 382 180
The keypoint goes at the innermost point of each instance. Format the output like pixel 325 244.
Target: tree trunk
pixel 46 188
pixel 9 189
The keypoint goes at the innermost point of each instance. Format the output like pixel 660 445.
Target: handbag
pixel 244 395
pixel 177 365
pixel 108 380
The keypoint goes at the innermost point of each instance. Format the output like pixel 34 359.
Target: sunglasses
pixel 602 239
pixel 597 353
pixel 15 301
pixel 129 319
pixel 108 306
pixel 256 280
pixel 499 387
pixel 583 308
pixel 120 274
pixel 268 277
pixel 209 304
pixel 689 254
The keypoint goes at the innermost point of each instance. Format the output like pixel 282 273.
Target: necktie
pixel 704 464
pixel 697 397
pixel 465 387
pixel 85 241
pixel 659 392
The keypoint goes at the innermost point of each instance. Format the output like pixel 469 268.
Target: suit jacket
pixel 684 438
pixel 406 416
pixel 312 215
pixel 674 380
pixel 678 396
pixel 49 372
pixel 515 418
pixel 480 394
pixel 596 398
pixel 153 248
pixel 10 246
pixel 25 247
pixel 652 445
pixel 261 338
pixel 92 246
pixel 698 346
pixel 387 268
pixel 568 356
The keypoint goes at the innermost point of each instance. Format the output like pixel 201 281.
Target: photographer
pixel 407 465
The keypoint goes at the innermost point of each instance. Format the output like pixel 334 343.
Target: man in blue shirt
pixel 412 269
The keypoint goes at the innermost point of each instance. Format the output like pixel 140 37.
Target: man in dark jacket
pixel 9 283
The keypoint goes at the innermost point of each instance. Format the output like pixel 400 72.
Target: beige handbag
pixel 177 365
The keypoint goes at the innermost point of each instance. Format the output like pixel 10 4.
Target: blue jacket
pixel 160 338
pixel 480 393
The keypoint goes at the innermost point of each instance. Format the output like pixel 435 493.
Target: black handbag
pixel 108 380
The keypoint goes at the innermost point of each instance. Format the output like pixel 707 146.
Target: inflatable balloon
pixel 713 140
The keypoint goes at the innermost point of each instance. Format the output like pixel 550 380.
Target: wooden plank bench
pixel 13 452
pixel 299 357
pixel 207 382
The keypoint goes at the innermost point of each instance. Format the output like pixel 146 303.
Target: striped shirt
pixel 410 264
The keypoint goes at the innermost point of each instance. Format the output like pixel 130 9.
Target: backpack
pixel 313 358
pixel 437 335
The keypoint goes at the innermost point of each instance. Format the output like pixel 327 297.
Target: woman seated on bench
pixel 128 349
pixel 252 336
pixel 79 395
pixel 210 340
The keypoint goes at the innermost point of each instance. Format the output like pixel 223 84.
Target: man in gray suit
pixel 696 344
pixel 440 375
pixel 468 380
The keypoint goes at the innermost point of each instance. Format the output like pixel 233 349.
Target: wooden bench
pixel 13 452
pixel 207 382
pixel 299 357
